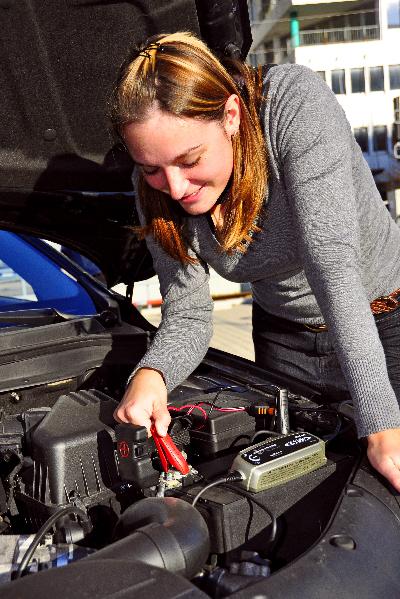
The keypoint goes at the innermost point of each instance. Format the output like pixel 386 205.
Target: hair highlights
pixel 178 74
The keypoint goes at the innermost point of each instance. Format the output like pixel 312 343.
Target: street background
pixel 232 326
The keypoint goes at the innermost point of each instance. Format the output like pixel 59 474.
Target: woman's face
pixel 188 159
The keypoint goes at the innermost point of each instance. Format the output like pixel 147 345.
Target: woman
pixel 259 176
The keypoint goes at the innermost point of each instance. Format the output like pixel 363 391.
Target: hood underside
pixel 59 63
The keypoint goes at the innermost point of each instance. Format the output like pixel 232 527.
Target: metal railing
pixel 267 56
pixel 339 35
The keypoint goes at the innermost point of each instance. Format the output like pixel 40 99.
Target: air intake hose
pixel 164 532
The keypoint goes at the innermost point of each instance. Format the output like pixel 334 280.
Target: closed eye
pixel 152 170
pixel 149 170
pixel 191 164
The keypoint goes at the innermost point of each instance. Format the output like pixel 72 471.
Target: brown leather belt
pixel 386 303
pixel 380 305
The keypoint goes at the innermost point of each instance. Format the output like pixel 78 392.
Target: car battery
pixel 221 430
pixel 235 520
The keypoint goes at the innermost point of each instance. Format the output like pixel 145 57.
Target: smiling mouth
pixel 192 196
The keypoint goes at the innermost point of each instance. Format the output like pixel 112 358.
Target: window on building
pixel 393 13
pixel 380 138
pixel 376 79
pixel 361 135
pixel 322 74
pixel 357 77
pixel 338 81
pixel 395 134
pixel 394 76
pixel 371 16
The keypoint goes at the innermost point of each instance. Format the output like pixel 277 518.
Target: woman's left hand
pixel 384 454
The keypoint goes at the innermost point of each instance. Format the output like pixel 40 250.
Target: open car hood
pixel 60 61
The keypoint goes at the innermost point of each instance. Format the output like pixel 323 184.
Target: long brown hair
pixel 179 74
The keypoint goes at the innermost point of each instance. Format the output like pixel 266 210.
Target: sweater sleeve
pixel 316 149
pixel 185 331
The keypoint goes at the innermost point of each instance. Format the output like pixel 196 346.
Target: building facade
pixel 355 47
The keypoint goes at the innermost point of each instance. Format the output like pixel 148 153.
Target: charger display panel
pixel 278 460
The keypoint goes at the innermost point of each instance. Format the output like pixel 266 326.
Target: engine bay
pixel 75 485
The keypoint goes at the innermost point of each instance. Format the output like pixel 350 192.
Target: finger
pixel 394 479
pixel 162 420
pixel 119 415
pixel 133 414
pixel 389 470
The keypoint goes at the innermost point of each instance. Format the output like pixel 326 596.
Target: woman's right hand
pixel 384 454
pixel 145 402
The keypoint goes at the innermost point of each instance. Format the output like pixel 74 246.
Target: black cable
pixel 250 497
pixel 215 399
pixel 252 386
pixel 236 477
pixel 232 477
pixel 236 388
pixel 317 410
pixel 69 509
pixel 335 433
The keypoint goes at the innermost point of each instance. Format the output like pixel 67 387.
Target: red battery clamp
pixel 169 453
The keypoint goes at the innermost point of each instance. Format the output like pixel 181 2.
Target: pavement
pixel 232 326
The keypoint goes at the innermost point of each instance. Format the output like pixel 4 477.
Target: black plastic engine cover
pixel 73 452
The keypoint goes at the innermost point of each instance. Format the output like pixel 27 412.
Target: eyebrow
pixel 177 158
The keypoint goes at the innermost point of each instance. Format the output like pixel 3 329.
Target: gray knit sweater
pixel 326 248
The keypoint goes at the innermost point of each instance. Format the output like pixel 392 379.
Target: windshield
pixel 30 279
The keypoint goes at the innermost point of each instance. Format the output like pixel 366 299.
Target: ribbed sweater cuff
pixel 376 406
pixel 153 366
pixel 171 370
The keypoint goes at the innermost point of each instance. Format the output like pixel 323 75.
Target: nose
pixel 176 182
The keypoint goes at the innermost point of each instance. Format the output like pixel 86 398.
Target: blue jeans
pixel 289 348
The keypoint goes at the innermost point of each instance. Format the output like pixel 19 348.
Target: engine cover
pixel 73 454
